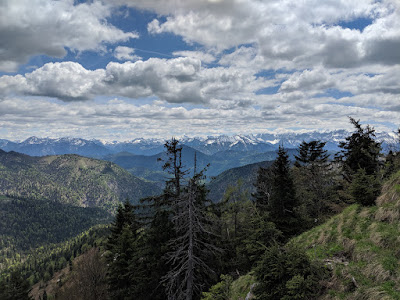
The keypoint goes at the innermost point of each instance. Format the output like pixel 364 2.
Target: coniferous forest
pixel 319 226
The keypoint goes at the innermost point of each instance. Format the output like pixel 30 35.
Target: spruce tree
pixel 120 250
pixel 311 154
pixel 314 180
pixel 360 151
pixel 282 202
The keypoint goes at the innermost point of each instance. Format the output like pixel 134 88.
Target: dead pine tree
pixel 192 251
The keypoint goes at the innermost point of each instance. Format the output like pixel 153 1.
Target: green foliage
pixel 360 150
pixel 315 183
pixel 312 153
pixel 40 222
pixel 219 291
pixel 15 287
pixel 287 273
pixel 282 201
pixel 41 263
pixel 364 188
pixel 120 250
pixel 70 179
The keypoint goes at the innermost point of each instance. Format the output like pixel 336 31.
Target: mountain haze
pixel 211 145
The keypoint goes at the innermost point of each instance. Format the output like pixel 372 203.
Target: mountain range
pixel 70 179
pixel 211 145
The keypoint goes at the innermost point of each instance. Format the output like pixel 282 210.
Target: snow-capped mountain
pixel 258 143
pixel 214 144
pixel 138 146
pixel 35 146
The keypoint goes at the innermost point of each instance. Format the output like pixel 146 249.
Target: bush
pixel 287 273
pixel 221 290
pixel 364 188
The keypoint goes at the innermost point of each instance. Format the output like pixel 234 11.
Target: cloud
pixel 125 53
pixel 292 35
pixel 178 80
pixel 202 56
pixel 123 120
pixel 33 27
pixel 66 81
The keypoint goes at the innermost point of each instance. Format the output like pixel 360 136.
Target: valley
pixel 60 208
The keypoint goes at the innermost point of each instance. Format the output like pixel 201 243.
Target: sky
pixel 123 69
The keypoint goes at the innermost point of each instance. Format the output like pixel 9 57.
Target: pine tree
pixel 282 202
pixel 263 187
pixel 314 180
pixel 360 151
pixel 120 248
pixel 311 154
pixel 148 270
pixel 364 188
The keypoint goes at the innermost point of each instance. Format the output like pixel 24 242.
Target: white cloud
pixel 178 80
pixel 203 56
pixel 125 53
pixel 289 34
pixel 119 119
pixel 32 27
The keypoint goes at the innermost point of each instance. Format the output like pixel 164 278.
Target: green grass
pixel 241 287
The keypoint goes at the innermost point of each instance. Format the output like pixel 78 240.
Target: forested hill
pixel 245 176
pixel 70 179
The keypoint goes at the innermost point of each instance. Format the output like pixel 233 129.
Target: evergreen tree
pixel 364 188
pixel 263 187
pixel 314 180
pixel 14 288
pixel 282 202
pixel 174 167
pixel 120 248
pixel 150 264
pixel 360 151
pixel 311 154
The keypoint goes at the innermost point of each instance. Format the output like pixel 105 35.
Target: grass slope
pixel 362 246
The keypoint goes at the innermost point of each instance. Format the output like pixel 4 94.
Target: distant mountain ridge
pixel 258 143
pixel 70 179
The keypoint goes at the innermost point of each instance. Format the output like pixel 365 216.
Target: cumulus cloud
pixel 32 27
pixel 289 34
pixel 125 53
pixel 178 80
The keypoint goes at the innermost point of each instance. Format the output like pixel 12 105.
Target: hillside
pixel 150 169
pixel 26 224
pixel 70 179
pixel 247 174
pixel 361 245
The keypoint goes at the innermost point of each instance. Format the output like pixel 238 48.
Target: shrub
pixel 287 273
